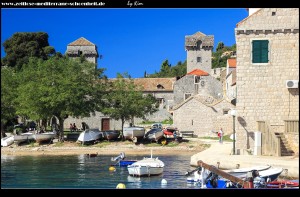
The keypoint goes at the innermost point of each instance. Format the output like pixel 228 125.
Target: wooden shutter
pixel 260 51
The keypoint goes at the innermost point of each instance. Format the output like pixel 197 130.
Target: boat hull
pixel 44 137
pixel 25 137
pixel 7 141
pixel 145 171
pixel 131 133
pixel 111 134
pixel 90 135
pixel 154 135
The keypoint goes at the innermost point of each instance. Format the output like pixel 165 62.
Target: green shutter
pixel 264 51
pixel 260 51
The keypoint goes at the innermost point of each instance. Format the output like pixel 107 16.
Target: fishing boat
pixel 245 170
pixel 154 134
pixel 283 184
pixel 44 137
pixel 89 136
pixel 7 141
pixel 172 133
pixel 24 137
pixel 133 133
pixel 148 166
pixel 110 134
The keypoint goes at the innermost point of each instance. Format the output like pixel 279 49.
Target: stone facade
pixel 199 49
pixel 186 86
pixel 231 85
pixel 83 47
pixel 203 114
pixel 262 94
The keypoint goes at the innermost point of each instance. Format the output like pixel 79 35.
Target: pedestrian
pixel 71 127
pixel 220 135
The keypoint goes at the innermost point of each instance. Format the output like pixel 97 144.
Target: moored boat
pixel 148 166
pixel 133 133
pixel 154 134
pixel 89 136
pixel 24 137
pixel 110 134
pixel 44 137
pixel 7 141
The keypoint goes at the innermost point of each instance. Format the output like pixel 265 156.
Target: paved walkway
pixel 222 154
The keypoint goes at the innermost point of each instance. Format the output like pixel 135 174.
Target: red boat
pixel 282 184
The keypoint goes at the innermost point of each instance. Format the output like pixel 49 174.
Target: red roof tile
pixel 198 72
pixel 232 63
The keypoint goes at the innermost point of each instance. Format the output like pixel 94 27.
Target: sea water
pixel 83 172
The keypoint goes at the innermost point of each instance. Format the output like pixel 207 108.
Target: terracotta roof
pixel 155 84
pixel 247 17
pixel 81 42
pixel 231 63
pixel 198 72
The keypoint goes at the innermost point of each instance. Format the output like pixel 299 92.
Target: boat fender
pixel 121 186
pixel 164 182
pixel 111 168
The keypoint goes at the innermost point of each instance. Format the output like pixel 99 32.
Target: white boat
pixel 44 137
pixel 146 167
pixel 23 138
pixel 89 135
pixel 245 170
pixel 7 141
pixel 133 133
pixel 154 134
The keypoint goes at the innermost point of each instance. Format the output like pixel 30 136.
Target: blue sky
pixel 130 40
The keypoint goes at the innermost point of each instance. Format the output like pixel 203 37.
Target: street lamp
pixel 233 113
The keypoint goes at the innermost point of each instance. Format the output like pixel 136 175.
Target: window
pixel 197 79
pixel 199 59
pixel 260 51
pixel 225 111
pixel 187 95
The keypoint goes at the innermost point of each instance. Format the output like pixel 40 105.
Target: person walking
pixel 220 135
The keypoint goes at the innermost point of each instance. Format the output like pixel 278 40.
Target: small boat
pixel 148 166
pixel 89 136
pixel 7 141
pixel 44 137
pixel 154 134
pixel 110 134
pixel 120 160
pixel 24 137
pixel 133 133
pixel 270 174
pixel 283 184
pixel 172 132
pixel 245 170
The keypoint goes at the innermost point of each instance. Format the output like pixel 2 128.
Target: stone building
pixel 267 82
pixel 199 104
pixel 199 49
pixel 231 79
pixel 203 114
pixel 83 47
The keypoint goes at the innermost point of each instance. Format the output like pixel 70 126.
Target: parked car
pixel 156 125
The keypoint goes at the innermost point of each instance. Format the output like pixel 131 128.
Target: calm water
pixel 83 172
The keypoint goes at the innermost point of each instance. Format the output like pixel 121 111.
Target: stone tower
pixel 84 47
pixel 199 50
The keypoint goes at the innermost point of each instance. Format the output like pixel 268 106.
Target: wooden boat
pixel 89 136
pixel 148 166
pixel 133 133
pixel 283 184
pixel 44 137
pixel 154 134
pixel 110 134
pixel 24 137
pixel 7 141
pixel 172 132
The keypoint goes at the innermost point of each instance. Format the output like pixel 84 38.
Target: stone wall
pixel 91 57
pixel 208 86
pixel 261 88
pixel 202 119
pixel 205 64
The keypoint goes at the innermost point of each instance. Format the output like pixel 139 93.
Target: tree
pixel 220 46
pixel 59 87
pixel 8 93
pixel 21 46
pixel 126 101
